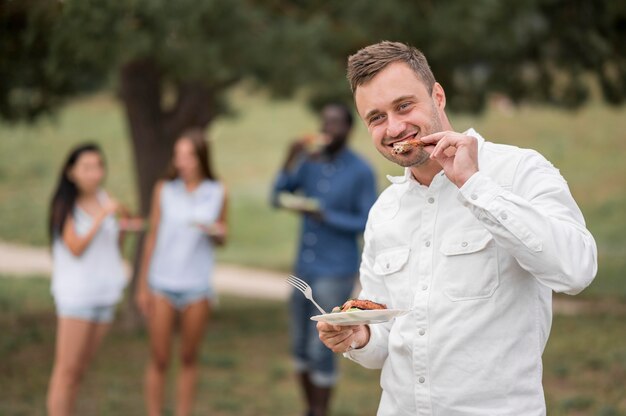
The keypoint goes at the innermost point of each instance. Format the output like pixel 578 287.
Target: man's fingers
pixel 336 338
pixel 433 138
pixel 443 144
pixel 448 144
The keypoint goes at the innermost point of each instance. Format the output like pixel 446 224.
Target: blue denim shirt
pixel 345 187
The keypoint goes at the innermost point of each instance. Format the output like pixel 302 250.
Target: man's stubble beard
pixel 418 156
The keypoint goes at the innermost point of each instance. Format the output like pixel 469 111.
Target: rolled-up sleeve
pixel 538 222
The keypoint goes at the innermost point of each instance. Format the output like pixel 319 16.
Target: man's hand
pixel 296 149
pixel 457 154
pixel 343 338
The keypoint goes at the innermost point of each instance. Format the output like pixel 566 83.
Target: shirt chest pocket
pixel 391 266
pixel 469 266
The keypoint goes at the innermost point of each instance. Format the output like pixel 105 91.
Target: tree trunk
pixel 140 83
pixel 153 131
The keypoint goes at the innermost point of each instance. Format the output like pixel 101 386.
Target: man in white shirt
pixel 472 240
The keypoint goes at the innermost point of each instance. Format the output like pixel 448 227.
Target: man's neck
pixel 425 173
pixel 332 151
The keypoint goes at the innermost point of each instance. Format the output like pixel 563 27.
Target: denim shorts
pixel 310 354
pixel 100 314
pixel 181 299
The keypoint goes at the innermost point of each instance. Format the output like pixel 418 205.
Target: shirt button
pixel 421 379
pixel 474 196
pixel 504 216
pixel 427 244
pixel 387 266
pixel 422 332
pixel 424 287
pixel 464 244
pixel 431 200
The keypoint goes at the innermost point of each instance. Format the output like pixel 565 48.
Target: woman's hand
pixel 144 301
pixel 216 231
pixel 111 206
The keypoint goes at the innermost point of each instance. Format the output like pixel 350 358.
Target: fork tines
pixel 297 283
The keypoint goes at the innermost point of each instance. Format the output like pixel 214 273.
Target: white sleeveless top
pixel 183 257
pixel 96 277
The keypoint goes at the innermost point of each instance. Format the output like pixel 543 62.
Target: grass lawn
pixel 587 146
pixel 246 369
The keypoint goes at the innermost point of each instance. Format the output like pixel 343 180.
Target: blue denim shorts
pixel 310 354
pixel 100 314
pixel 181 299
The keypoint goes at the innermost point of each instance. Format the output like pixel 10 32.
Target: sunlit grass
pixel 246 369
pixel 587 146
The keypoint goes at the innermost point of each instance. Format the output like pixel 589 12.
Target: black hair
pixel 66 192
pixel 347 111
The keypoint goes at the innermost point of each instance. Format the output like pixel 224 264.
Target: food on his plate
pixel 359 305
pixel 406 145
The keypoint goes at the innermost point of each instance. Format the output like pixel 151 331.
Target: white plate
pixel 374 316
pixel 298 202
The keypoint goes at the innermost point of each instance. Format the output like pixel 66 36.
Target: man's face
pixel 395 106
pixel 334 124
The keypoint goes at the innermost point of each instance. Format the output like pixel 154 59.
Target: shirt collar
pixel 407 172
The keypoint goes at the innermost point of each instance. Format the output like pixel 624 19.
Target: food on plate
pixel 359 305
pixel 406 145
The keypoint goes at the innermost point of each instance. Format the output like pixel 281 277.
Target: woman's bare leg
pixel 76 344
pixel 161 327
pixel 193 323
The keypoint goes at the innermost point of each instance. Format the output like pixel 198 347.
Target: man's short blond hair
pixel 369 61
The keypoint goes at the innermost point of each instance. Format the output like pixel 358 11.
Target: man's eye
pixel 375 119
pixel 404 106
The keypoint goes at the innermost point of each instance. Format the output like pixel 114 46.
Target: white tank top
pixel 96 277
pixel 183 258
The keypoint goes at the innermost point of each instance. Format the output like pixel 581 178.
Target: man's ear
pixel 439 96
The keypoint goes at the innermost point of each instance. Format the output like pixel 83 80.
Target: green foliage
pixel 531 50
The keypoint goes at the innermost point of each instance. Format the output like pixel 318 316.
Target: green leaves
pixel 531 50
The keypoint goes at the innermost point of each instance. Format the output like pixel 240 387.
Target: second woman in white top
pixel 187 219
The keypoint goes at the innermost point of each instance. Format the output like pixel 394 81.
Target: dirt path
pixel 24 261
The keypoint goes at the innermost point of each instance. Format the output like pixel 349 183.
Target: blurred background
pixel 131 75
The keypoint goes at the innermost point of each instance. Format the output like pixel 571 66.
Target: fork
pixel 304 287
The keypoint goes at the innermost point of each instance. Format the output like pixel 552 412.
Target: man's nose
pixel 395 126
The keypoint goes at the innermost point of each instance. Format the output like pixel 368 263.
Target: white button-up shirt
pixel 476 267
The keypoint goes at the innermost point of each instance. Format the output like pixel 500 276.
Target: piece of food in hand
pixel 314 143
pixel 406 145
pixel 359 305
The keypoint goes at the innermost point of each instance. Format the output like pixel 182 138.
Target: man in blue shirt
pixel 342 188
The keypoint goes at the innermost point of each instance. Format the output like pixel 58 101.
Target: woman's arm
pixel 77 244
pixel 128 223
pixel 143 297
pixel 218 231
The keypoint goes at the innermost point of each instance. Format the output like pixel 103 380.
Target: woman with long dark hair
pixel 88 277
pixel 187 219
